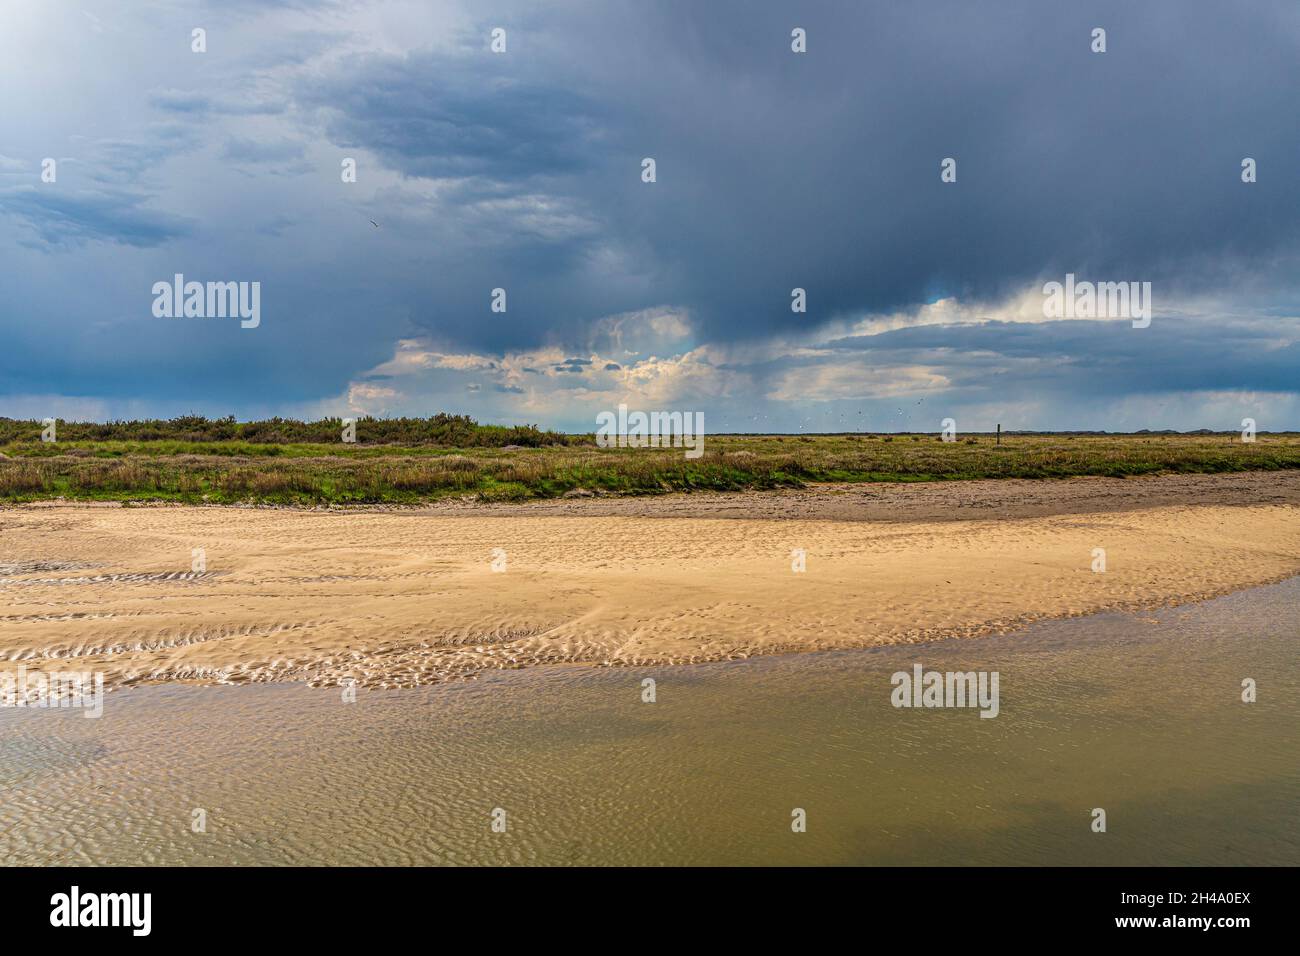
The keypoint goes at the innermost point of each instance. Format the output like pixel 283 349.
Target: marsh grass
pixel 238 471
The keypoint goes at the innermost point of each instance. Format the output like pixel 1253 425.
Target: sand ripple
pixel 406 599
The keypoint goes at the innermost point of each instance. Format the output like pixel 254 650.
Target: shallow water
pixel 1141 716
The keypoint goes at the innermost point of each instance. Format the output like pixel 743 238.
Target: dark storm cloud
pixel 821 170
pixel 775 170
pixel 450 117
pixel 1086 357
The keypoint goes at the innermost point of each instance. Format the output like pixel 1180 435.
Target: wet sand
pixel 1140 716
pixel 402 598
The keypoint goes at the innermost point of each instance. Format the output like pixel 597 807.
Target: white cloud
pixel 841 381
pixel 370 399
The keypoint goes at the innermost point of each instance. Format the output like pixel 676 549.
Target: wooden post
pixel 999 441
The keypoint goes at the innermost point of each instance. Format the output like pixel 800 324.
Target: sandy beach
pixel 401 598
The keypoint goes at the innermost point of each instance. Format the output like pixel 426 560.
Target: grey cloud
pixel 243 150
pixel 198 104
pixel 822 170
pixel 461 117
pixel 775 170
pixel 62 217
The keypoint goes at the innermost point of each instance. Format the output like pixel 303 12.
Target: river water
pixel 1141 716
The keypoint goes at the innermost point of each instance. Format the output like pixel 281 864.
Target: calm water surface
pixel 1139 715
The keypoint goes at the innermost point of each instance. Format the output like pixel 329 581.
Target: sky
pixel 522 169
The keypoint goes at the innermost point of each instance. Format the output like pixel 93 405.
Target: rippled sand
pixel 1139 715
pixel 400 598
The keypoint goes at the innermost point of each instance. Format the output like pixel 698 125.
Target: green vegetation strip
pixel 407 461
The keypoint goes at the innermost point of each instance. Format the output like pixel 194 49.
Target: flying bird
pixel 373 223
